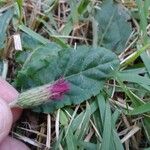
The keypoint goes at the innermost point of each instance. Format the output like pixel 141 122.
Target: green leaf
pixel 115 117
pixel 33 34
pixel 114 30
pixel 77 121
pixel 141 109
pixel 131 58
pixel 146 7
pixel 143 20
pixel 20 5
pixel 101 104
pixel 57 143
pixel 83 5
pixel 54 35
pixel 85 68
pixel 82 128
pixel 116 140
pixel 5 19
pixel 30 43
pixel 146 125
pixel 74 12
pixel 107 129
pixel 71 140
pixel 144 39
pixel 31 73
pixel 87 145
pixel 133 97
pixel 63 118
pixel 135 78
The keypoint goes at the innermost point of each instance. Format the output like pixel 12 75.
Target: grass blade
pixel 107 129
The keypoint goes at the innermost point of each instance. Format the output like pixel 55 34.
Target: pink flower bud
pixel 42 94
pixel 59 88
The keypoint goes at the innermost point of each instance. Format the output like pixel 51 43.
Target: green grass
pixel 117 117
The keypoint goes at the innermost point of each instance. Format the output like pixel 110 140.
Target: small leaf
pixel 114 30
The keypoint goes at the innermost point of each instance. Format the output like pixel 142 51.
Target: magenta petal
pixel 59 88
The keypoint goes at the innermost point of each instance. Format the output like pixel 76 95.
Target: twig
pixel 5 69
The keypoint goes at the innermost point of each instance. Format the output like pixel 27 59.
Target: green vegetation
pixel 102 49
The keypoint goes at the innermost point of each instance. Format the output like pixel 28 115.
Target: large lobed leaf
pixel 113 25
pixel 85 68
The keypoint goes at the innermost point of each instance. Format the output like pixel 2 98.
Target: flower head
pixel 42 94
pixel 59 88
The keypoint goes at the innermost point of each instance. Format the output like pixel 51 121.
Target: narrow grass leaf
pixel 63 118
pixel 135 78
pixel 76 122
pixel 141 109
pixel 70 140
pixel 146 125
pixel 81 131
pixel 20 5
pixel 116 140
pixel 143 29
pixel 58 142
pixel 97 125
pixel 87 145
pixel 107 129
pixel 115 117
pixel 82 6
pixel 131 58
pixel 102 106
pixel 133 97
pixel 33 34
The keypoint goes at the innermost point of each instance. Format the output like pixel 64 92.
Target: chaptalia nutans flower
pixel 42 94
